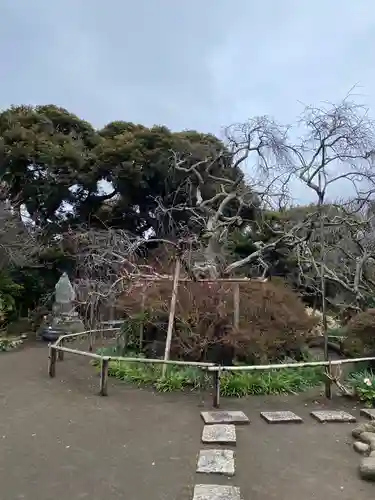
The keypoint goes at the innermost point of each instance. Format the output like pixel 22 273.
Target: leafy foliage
pixel 363 384
pixel 285 381
pixel 44 151
pixel 9 291
pixel 7 345
pixel 53 163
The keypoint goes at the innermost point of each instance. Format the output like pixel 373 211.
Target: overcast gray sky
pixel 199 64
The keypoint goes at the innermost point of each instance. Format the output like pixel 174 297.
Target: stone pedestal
pixel 68 324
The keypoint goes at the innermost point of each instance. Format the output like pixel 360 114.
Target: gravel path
pixel 59 440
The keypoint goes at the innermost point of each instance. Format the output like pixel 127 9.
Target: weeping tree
pixel 334 241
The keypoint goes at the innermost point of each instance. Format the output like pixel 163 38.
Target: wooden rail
pixel 217 369
pixel 248 368
pixel 57 350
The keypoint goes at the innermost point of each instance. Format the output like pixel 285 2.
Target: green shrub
pixel 130 332
pixel 9 291
pixel 363 384
pixel 9 344
pixel 337 334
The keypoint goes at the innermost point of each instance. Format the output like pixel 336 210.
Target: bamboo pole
pixel 199 364
pixel 213 367
pixel 79 334
pixel 280 366
pixel 172 311
pixel 75 351
pixel 236 306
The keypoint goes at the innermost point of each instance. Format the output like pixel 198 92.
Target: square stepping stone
pixel 324 416
pixel 369 413
pixel 216 462
pixel 216 492
pixel 281 417
pixel 224 417
pixel 219 433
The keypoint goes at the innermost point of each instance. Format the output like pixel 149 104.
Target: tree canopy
pixel 154 184
pixel 66 173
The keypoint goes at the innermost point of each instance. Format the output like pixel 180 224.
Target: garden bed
pixel 286 381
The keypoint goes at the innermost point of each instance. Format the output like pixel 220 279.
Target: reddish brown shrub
pixel 360 334
pixel 273 321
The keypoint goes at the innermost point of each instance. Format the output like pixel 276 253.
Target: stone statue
pixel 64 297
pixel 64 291
pixel 65 318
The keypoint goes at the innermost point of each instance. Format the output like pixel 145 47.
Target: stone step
pixel 227 419
pixel 325 416
pixel 224 417
pixel 280 417
pixel 216 492
pixel 219 434
pixel 216 461
pixel 369 413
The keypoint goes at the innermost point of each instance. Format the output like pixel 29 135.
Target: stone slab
pixel 281 417
pixel 224 417
pixel 219 433
pixel 325 416
pixel 216 492
pixel 216 462
pixel 369 413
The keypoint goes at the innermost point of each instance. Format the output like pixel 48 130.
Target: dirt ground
pixel 59 440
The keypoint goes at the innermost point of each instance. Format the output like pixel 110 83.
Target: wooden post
pixel 60 354
pixel 141 326
pixel 104 377
pixel 236 305
pixel 52 361
pixel 90 342
pixel 172 311
pixel 216 394
pixel 328 380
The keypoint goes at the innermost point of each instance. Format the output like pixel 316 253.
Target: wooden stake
pixel 141 326
pixel 90 342
pixel 172 311
pixel 236 305
pixel 216 395
pixel 104 377
pixel 60 354
pixel 52 361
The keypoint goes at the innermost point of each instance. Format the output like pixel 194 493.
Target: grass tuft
pixel 237 384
